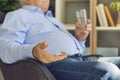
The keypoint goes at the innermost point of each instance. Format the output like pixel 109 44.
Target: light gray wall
pixel 109 39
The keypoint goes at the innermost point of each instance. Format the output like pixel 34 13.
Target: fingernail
pixel 58 53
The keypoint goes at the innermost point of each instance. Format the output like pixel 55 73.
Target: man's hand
pixel 42 55
pixel 82 30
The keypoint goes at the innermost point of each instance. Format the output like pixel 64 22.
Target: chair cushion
pixel 2 16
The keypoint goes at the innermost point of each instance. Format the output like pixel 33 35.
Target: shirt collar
pixel 37 9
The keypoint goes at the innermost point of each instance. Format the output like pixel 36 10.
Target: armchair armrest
pixel 2 16
pixel 91 57
pixel 25 70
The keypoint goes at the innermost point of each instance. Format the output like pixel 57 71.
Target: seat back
pixel 28 69
pixel 2 16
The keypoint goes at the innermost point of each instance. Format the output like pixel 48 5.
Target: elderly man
pixel 32 32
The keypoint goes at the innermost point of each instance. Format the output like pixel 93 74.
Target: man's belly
pixel 57 42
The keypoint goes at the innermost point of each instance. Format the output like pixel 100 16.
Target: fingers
pixel 89 21
pixel 53 58
pixel 85 32
pixel 43 45
pixel 89 28
pixel 40 53
pixel 82 30
pixel 60 56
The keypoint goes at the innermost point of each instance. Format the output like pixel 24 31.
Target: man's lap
pixel 73 68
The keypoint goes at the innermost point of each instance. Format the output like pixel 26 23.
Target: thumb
pixel 89 21
pixel 43 45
